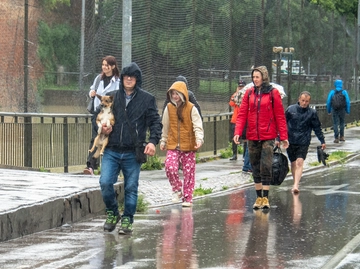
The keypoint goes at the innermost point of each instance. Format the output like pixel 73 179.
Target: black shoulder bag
pixel 141 157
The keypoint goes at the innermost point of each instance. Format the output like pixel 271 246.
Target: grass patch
pixel 42 169
pixel 334 156
pixel 205 178
pixel 338 155
pixel 201 191
pixel 224 188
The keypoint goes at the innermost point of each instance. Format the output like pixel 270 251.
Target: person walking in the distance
pixel 104 83
pixel 337 104
pixel 182 136
pixel 235 101
pixel 301 121
pixel 263 111
pixel 136 107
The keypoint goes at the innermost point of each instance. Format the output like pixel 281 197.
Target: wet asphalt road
pixel 318 228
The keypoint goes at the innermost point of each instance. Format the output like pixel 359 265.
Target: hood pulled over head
pixel 182 78
pixel 338 84
pixel 264 73
pixel 181 88
pixel 132 70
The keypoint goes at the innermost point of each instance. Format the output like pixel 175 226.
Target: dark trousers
pixel 261 158
pixel 231 136
pixel 91 161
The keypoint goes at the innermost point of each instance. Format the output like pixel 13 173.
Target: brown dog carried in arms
pixel 104 118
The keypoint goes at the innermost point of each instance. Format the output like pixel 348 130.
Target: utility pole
pixel 27 120
pixel 357 55
pixel 126 32
pixel 81 75
pixel 26 53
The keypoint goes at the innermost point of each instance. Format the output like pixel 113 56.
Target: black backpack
pixel 280 167
pixel 338 100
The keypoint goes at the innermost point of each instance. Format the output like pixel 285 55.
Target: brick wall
pixel 12 49
pixel 12 53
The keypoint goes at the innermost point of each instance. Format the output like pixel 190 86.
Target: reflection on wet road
pixel 222 231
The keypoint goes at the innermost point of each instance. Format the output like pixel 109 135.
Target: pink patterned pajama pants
pixel 188 161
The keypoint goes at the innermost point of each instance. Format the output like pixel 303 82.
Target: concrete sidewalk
pixel 35 201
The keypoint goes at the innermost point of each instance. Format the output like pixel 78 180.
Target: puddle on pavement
pixel 221 231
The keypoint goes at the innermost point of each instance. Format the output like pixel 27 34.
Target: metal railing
pixel 40 140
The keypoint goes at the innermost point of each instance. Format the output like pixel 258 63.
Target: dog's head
pixel 106 101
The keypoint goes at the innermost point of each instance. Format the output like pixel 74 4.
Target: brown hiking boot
pixel 342 138
pixel 336 140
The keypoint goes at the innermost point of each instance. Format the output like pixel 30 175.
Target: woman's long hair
pixel 111 60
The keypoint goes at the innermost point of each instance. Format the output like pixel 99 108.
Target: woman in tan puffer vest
pixel 182 135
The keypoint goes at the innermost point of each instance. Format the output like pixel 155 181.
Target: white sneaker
pixel 176 196
pixel 186 204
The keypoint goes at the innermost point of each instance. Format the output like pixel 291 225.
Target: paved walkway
pixel 36 201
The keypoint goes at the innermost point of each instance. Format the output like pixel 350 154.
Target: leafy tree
pixel 57 46
pixel 344 7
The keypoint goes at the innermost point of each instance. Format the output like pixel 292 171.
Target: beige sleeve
pixel 165 129
pixel 197 125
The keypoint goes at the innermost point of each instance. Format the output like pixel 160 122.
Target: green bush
pixel 152 163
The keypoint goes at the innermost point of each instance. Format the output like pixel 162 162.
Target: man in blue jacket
pixel 119 155
pixel 301 121
pixel 338 111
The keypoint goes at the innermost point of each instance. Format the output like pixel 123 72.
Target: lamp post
pixel 278 51
pixel 286 53
pixel 289 55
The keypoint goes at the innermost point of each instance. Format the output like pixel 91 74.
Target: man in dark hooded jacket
pixel 142 114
